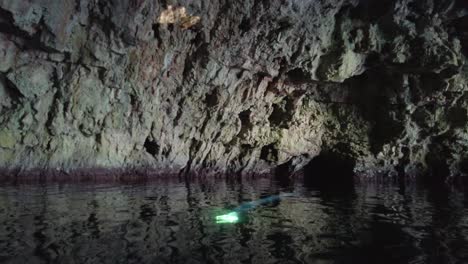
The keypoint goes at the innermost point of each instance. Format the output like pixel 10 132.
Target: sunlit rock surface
pixel 221 86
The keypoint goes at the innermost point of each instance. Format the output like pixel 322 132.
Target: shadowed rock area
pixel 234 87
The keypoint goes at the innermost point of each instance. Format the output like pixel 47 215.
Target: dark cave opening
pixel 329 171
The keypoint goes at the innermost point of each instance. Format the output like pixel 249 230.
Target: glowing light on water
pixel 233 217
pixel 230 218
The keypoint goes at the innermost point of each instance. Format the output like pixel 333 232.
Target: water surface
pixel 174 222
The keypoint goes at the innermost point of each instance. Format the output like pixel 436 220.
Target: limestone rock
pixel 218 86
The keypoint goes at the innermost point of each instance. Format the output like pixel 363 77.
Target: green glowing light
pixel 230 218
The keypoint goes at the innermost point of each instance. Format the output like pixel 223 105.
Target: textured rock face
pixel 234 86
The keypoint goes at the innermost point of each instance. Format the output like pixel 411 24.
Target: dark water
pixel 174 222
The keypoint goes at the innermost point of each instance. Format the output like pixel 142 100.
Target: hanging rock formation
pixel 221 86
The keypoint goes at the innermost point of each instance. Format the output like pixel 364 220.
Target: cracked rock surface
pixel 234 86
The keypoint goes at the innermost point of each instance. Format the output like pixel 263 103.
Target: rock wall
pixel 221 86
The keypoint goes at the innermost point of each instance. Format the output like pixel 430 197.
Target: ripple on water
pixel 174 222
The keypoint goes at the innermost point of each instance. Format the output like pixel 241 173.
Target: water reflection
pixel 174 222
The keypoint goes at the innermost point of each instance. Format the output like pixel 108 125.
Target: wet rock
pixel 234 87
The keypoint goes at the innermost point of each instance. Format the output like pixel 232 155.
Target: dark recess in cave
pixel 212 98
pixel 439 170
pixel 297 77
pixel 269 153
pixel 32 42
pixel 244 26
pixel 464 169
pixel 282 113
pixel 156 32
pixel 329 171
pixel 282 174
pixel 377 107
pixel 244 117
pixel 10 89
pixel 458 117
pixel 151 147
pixel 372 10
pixel 461 27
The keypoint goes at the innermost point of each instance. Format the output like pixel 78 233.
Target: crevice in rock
pixel 384 130
pixel 8 26
pixel 376 106
pixel 157 33
pixel 219 17
pixel 330 61
pixel 194 148
pixel 200 55
pixel 246 124
pixel 179 113
pixel 102 19
pixel 298 76
pixel 151 146
pixel 205 123
pixel 282 25
pixel 32 42
pixel 272 86
pixel 53 113
pixel 245 94
pixel 299 51
pixel 166 151
pixel 101 7
pixel 212 98
pixel 282 113
pixel 163 4
pixel 269 153
pixel 244 26
pixel 260 77
pixel 402 163
pixel 450 72
pixel 12 91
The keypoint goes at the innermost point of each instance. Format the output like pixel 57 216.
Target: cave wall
pixel 219 86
